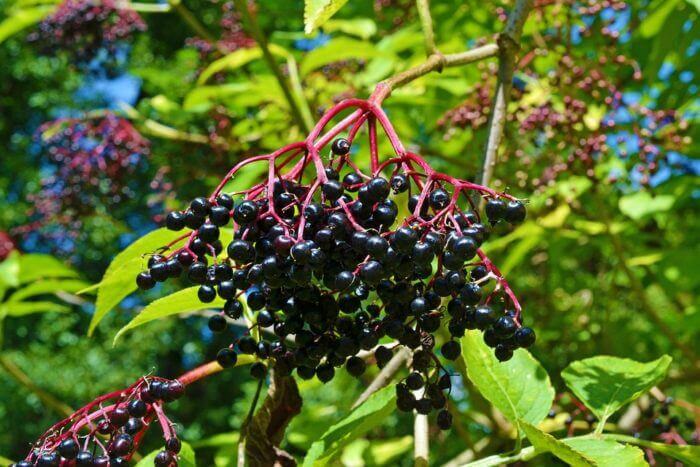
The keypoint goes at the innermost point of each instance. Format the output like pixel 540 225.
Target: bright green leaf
pixel 27 308
pixel 35 266
pixel 342 48
pixel 9 271
pixel 119 278
pixel 235 59
pixel 605 384
pixel 317 12
pixel 686 453
pixel 607 453
pixel 22 19
pixel 520 387
pixel 652 24
pixel 47 287
pixel 544 442
pixel 364 28
pixel 186 457
pixel 642 204
pixel 695 3
pixel 182 301
pixel 365 417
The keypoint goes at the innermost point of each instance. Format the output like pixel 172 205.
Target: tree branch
pixel 426 22
pixel 421 438
pixel 385 375
pixel 257 33
pixel 508 45
pixel 435 62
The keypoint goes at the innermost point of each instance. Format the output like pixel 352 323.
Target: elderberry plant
pixel 322 256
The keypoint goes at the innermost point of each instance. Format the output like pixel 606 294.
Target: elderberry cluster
pixel 330 269
pixel 85 27
pixel 107 437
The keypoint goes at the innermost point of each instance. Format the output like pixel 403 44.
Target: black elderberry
pixel 217 323
pixel 343 280
pixel 133 426
pixel 464 248
pixel 419 306
pixel 484 316
pixel 255 300
pixel 505 326
pixel 383 355
pixel 206 293
pixel 245 213
pixel 524 337
pixel 439 199
pixel 414 381
pixel 233 309
pixel 332 189
pixel 48 459
pixel 173 445
pixel 144 281
pixel 159 272
pixel 377 189
pixel 444 383
pixel 173 390
pixel 208 233
pixel 121 446
pixel 351 181
pixel 404 239
pixel 399 183
pixel 377 246
pixel 163 459
pixel 84 459
pixel 490 338
pixel 193 221
pixel 219 215
pixel 515 212
pixel 470 294
pixel 247 345
pixel 200 206
pixel 503 353
pixel 340 146
pixel 119 416
pixel 101 461
pixel 423 406
pixel 137 408
pixel 265 318
pixel 325 372
pixel 258 370
pixel 451 350
pixel 355 366
pixel 495 209
pixel 175 221
pixel 444 420
pixel 479 272
pixel 68 448
pixel 371 272
pixel 225 200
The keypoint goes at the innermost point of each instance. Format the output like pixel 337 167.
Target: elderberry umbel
pixel 108 430
pixel 331 259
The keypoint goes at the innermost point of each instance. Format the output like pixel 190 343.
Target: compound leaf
pixel 317 12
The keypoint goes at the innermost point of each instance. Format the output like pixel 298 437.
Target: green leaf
pixel 235 59
pixel 642 204
pixel 604 384
pixel 342 48
pixel 364 28
pixel 36 266
pixel 9 271
pixel 202 97
pixel 317 12
pixel 652 24
pixel 22 19
pixel 186 457
pixel 520 387
pixel 544 442
pixel 182 301
pixel 585 451
pixel 695 3
pixel 27 308
pixel 219 440
pixel 119 278
pixel 688 454
pixel 605 452
pixel 47 287
pixel 365 417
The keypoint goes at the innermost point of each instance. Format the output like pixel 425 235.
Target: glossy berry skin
pixel 340 147
pixel 503 353
pixel 200 206
pixel 444 420
pixel 515 212
pixel 68 449
pixel 175 221
pixel 524 337
pixel 258 370
pixel 173 445
pixel 144 281
pixel 495 209
pixel 245 213
pixel 485 317
pixel 439 199
pixel 163 459
pixel 451 350
pixel 217 323
pixel 399 183
pixel 84 459
pixel 505 326
pixel 121 446
pixel 226 357
pixel 355 366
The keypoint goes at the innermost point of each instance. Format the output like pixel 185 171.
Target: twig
pixel 426 22
pixel 244 427
pixel 435 62
pixel 191 20
pixel 508 44
pixel 22 378
pixel 385 375
pixel 257 33
pixel 421 439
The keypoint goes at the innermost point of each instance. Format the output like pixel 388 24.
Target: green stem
pixel 257 33
pixel 426 22
pixel 23 379
pixel 246 422
pixel 192 20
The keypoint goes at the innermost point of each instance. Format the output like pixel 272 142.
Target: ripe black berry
pixel 163 459
pixel 200 206
pixel 258 370
pixel 144 281
pixel 495 209
pixel 245 213
pixel 515 212
pixel 355 366
pixel 524 337
pixel 444 420
pixel 68 448
pixel 217 323
pixel 340 147
pixel 451 350
pixel 206 293
pixel 175 221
